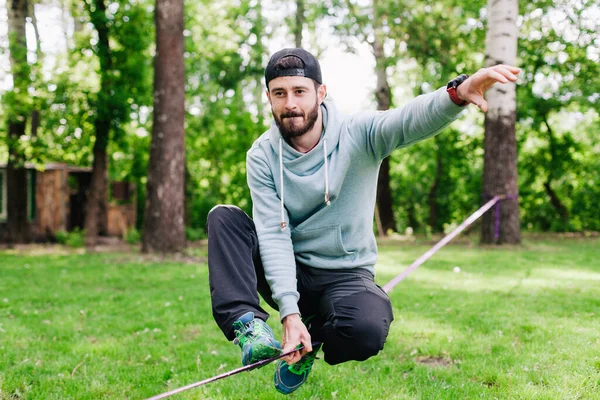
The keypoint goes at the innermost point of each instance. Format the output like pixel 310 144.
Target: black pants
pixel 351 314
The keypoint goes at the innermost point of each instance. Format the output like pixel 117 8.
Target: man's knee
pixel 221 215
pixel 360 327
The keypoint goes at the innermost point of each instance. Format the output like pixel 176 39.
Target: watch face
pixel 457 81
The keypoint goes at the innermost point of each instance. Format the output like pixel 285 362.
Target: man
pixel 310 249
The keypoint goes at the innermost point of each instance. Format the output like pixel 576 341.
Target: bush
pixel 132 236
pixel 194 234
pixel 75 238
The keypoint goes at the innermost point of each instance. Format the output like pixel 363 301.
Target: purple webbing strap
pixel 225 374
pixel 389 286
pixel 472 218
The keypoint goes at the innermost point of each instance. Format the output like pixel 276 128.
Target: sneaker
pixel 255 338
pixel 290 377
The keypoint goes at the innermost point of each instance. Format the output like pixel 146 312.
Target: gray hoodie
pixel 317 207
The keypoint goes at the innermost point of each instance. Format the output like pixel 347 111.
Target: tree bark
pixel 164 217
pixel 34 23
pixel 96 210
pixel 432 198
pixel 555 201
pixel 500 145
pixel 16 175
pixel 300 18
pixel 383 95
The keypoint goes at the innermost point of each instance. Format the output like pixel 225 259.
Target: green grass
pixel 515 323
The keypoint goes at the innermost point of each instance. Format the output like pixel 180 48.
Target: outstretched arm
pixel 473 89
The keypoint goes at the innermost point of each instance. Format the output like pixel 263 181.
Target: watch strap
pixel 454 97
pixel 451 89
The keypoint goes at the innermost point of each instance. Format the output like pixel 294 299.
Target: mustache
pixel 292 114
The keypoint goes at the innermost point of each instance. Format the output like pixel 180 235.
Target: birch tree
pixel 502 225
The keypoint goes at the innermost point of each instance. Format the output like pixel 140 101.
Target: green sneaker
pixel 255 338
pixel 290 377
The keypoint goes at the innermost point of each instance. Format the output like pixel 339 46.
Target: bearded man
pixel 310 249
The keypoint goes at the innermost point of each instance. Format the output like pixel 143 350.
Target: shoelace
pixel 305 363
pixel 250 329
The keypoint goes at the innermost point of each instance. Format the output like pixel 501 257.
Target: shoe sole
pixel 281 387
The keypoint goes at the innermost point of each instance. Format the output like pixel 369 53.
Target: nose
pixel 290 103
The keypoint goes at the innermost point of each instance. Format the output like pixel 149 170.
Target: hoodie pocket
pixel 324 241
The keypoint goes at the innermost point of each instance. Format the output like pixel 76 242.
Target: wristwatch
pixel 451 89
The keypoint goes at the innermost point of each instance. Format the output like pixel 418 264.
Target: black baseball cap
pixel 311 65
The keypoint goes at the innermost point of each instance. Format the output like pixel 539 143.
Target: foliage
pixel 75 238
pixel 559 52
pixel 194 234
pixel 132 236
pixel 225 98
pixel 426 44
pixel 513 323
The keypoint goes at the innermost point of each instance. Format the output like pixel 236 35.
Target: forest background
pixel 78 86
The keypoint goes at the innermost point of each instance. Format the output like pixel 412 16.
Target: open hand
pixel 473 89
pixel 295 333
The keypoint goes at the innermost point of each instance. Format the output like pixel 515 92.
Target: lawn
pixel 515 323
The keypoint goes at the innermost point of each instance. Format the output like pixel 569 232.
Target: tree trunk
pixel 164 217
pixel 298 27
pixel 97 198
pixel 432 199
pixel 554 199
pixel 16 175
pixel 500 146
pixel 383 95
pixel 34 23
pixel 17 223
pixel 557 204
pixel 411 214
pixel 96 211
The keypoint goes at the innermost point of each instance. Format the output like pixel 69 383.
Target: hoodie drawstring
pixel 283 224
pixel 327 202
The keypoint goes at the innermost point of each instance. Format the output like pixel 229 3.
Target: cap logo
pixel 290 72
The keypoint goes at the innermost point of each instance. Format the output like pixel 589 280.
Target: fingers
pixel 480 102
pixel 307 345
pixel 496 75
pixel 483 106
pixel 504 73
pixel 304 347
pixel 295 335
pixel 513 70
pixel 293 357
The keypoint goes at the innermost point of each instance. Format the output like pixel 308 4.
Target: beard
pixel 289 128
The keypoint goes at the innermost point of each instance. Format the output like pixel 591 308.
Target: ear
pixel 269 96
pixel 322 93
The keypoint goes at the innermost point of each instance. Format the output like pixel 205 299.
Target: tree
pixel 385 210
pixel 557 39
pixel 299 25
pixel 18 110
pixel 500 145
pixel 226 102
pixel 165 202
pixel 365 23
pixel 120 50
pixel 96 215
